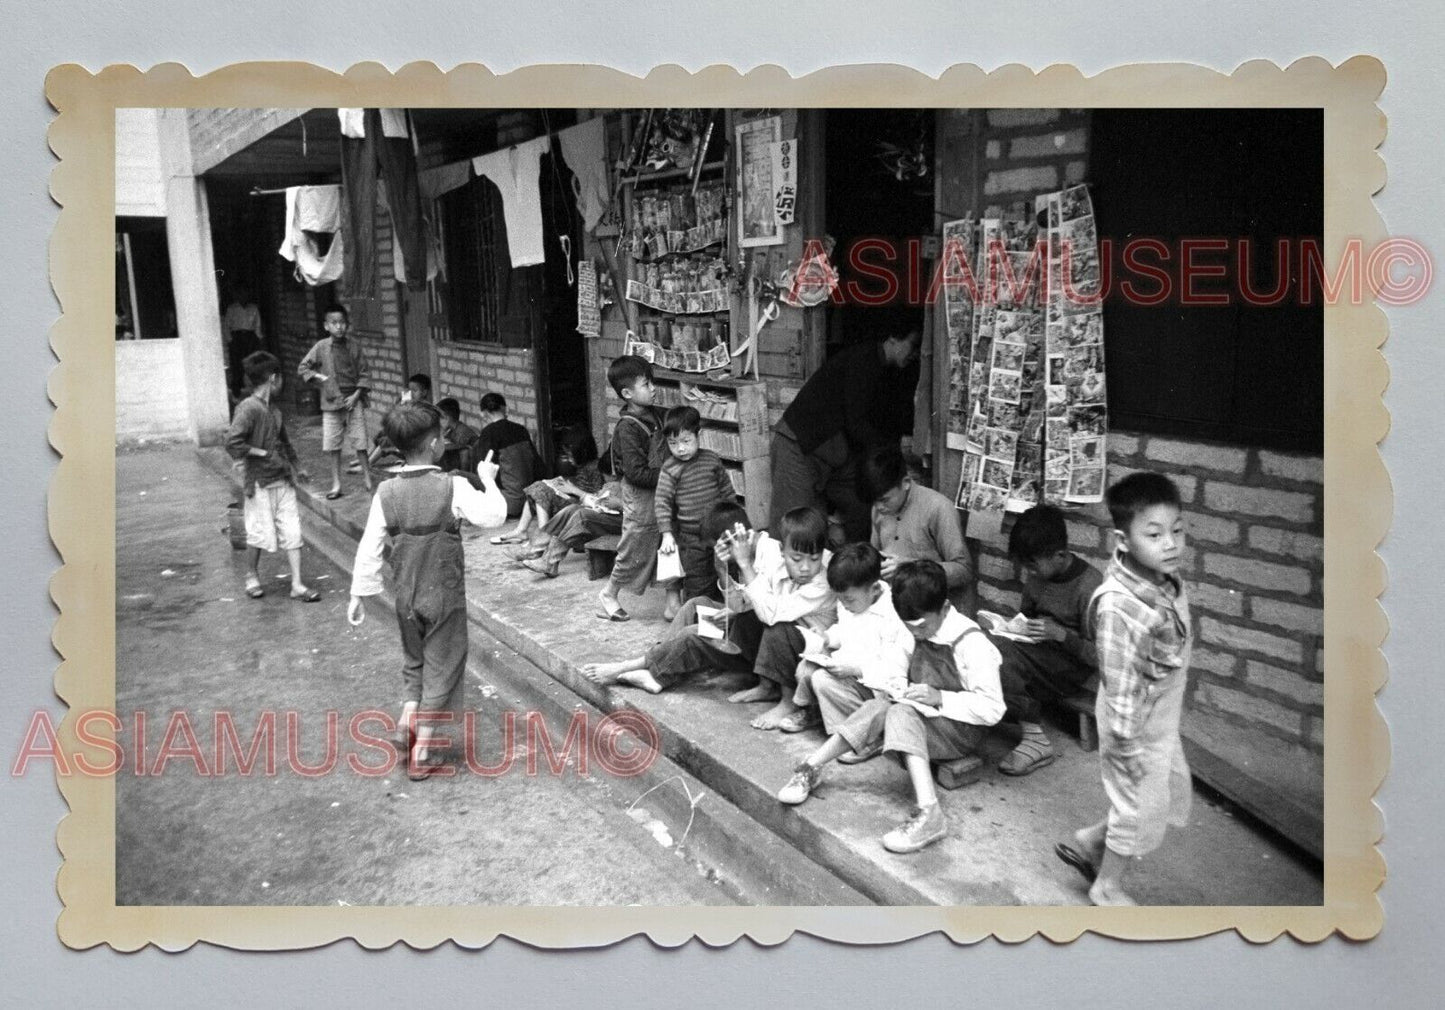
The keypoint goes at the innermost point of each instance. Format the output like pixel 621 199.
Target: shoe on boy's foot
pixel 804 781
pixel 926 826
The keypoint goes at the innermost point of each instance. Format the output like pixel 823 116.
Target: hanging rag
pixel 318 208
pixel 299 245
pixel 516 174
pixel 584 147
pixel 443 179
pixel 353 123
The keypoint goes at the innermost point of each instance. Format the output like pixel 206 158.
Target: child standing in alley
pixel 258 437
pixel 337 363
pixel 419 510
pixel 637 451
pixel 1140 617
pixel 1059 657
pixel 690 482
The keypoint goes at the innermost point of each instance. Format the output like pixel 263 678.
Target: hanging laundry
pixel 398 254
pixel 360 159
pixel 310 204
pixel 584 146
pixel 515 172
pixel 443 179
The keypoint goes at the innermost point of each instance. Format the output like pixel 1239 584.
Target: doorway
pixel 878 204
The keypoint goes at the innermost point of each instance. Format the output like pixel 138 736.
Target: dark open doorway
pixel 560 351
pixel 878 206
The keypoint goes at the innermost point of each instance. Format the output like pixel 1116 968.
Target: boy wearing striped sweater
pixel 690 483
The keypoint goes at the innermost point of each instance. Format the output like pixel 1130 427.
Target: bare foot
pixel 761 691
pixel 1100 894
pixel 608 673
pixel 775 715
pixel 640 678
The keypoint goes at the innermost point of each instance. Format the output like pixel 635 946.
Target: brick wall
pixel 1255 568
pixel 468 370
pixel 1027 152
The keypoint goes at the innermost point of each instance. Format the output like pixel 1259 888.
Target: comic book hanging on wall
pixel 1026 398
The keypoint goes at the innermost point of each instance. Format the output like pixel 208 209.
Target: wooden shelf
pixel 665 174
pixel 701 379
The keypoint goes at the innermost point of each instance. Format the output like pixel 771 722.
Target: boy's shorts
pixel 272 519
pixel 344 426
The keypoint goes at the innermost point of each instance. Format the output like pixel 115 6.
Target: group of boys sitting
pixel 871 642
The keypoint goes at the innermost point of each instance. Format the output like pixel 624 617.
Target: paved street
pixel 189 639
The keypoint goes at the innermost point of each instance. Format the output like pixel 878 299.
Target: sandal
pixel 509 538
pixel 857 757
pixel 309 596
pixel 613 612
pixel 419 770
pixel 333 495
pixel 527 554
pixel 1077 860
pixel 535 565
pixel 805 719
pixel 1030 755
pixel 254 590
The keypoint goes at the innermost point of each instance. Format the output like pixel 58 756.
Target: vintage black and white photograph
pixel 413 530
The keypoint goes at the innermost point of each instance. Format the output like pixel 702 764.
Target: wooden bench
pixel 601 553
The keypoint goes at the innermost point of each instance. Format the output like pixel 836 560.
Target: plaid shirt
pixel 1141 631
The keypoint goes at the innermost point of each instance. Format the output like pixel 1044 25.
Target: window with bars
pixel 476 261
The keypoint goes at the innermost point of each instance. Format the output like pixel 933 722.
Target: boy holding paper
pixel 1047 648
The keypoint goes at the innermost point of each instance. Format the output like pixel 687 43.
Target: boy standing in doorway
pixel 338 364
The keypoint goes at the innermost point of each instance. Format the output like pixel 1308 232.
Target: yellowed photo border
pixel 1357 492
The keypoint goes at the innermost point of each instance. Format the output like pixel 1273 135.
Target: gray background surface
pixel 1402 967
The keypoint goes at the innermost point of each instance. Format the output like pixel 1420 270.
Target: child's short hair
pixel 720 518
pixel 408 425
pixel 1038 533
pixel 578 443
pixel 854 565
pixel 681 419
pixel 493 403
pixel 919 588
pixel 883 470
pixel 421 379
pixel 804 530
pixel 260 366
pixel 626 370
pixel 1135 493
pixel 337 307
pixel 451 407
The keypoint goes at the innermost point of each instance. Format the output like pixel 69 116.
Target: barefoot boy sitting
pixel 1141 626
pixel 787 590
pixel 952 697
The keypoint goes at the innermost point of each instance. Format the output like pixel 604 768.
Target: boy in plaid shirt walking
pixel 1140 617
